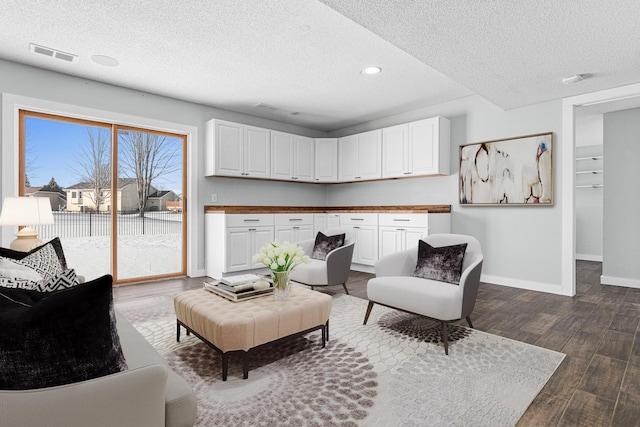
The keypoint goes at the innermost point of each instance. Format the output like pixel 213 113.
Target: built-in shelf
pixel 590 186
pixel 590 166
pixel 595 172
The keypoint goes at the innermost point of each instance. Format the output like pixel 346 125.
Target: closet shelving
pixel 589 167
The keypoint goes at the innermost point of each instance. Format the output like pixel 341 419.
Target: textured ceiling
pixel 303 57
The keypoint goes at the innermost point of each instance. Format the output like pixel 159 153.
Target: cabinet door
pixel 228 148
pixel 390 241
pixel 395 155
pixel 369 155
pixel 303 232
pixel 282 155
pixel 366 245
pixel 238 245
pixel 333 221
pixel 319 223
pixel 326 159
pixel 260 236
pixel 348 158
pixel 412 235
pixel 285 234
pixel 303 158
pixel 429 146
pixel 256 152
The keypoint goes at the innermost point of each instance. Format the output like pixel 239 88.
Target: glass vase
pixel 281 285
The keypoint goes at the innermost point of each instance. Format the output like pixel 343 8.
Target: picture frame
pixel 515 171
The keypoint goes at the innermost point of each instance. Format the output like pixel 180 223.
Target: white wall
pixel 25 81
pixel 522 245
pixel 621 255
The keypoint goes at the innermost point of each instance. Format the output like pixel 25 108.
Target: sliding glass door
pixel 116 194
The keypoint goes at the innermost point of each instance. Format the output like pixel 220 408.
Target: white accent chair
pixel 334 270
pixel 395 286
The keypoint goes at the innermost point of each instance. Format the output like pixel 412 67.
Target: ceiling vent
pixel 53 53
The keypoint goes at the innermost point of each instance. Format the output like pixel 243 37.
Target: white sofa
pixel 147 394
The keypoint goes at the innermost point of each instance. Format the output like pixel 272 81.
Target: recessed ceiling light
pixel 105 60
pixel 573 79
pixel 371 70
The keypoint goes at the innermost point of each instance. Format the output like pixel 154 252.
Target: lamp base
pixel 26 239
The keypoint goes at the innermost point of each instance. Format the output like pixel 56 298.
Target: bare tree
pixel 146 157
pixel 94 165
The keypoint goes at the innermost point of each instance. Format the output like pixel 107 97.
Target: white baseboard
pixel 619 281
pixel 587 257
pixel 523 284
pixel 363 268
pixel 197 273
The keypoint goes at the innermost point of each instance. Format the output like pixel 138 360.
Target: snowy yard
pixel 157 251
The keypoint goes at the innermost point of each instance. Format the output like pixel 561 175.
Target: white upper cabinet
pixel 359 156
pixel 233 149
pixel 292 157
pixel 416 148
pixel 326 159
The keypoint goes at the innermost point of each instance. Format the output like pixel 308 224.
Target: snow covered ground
pixel 147 246
pixel 138 256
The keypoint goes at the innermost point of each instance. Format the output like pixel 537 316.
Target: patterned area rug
pixel 388 372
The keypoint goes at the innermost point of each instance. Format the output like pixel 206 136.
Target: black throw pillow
pixel 325 244
pixel 443 264
pixel 60 337
pixel 55 243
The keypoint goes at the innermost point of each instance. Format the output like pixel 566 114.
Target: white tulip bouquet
pixel 281 257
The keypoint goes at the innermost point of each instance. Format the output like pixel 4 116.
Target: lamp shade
pixel 26 211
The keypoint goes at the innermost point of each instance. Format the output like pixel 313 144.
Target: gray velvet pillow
pixel 325 244
pixel 443 264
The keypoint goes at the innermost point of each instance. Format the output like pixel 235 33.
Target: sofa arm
pixel 339 264
pixel 131 398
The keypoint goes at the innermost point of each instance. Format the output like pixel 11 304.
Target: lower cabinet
pixel 365 233
pixel 294 228
pixel 398 232
pixel 232 240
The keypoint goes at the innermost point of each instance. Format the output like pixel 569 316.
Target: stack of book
pixel 237 288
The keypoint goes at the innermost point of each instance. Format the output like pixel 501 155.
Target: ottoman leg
pixel 178 331
pixel 245 365
pixel 225 366
pixel 324 335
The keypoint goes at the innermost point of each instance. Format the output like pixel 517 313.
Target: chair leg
pixel 344 285
pixel 469 322
pixel 445 338
pixel 366 316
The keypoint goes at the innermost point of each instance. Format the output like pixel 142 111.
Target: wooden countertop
pixel 327 209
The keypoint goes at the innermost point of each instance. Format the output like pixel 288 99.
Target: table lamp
pixel 26 211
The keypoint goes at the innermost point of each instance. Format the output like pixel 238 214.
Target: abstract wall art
pixel 512 171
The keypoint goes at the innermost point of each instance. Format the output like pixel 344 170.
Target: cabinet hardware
pixel 357 177
pixel 252 229
pixel 402 219
pixel 357 219
pixel 408 173
pixel 251 220
pixel 295 219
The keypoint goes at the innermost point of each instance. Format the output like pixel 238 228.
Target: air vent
pixel 53 53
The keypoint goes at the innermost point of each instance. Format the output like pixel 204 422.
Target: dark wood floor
pixel 598 383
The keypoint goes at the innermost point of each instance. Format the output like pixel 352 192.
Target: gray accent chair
pixel 395 286
pixel 334 270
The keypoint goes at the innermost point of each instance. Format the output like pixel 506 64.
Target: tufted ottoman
pixel 240 327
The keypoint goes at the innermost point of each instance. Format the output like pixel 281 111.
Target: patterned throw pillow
pixel 443 264
pixel 55 243
pixel 66 279
pixel 44 262
pixel 325 244
pixel 61 337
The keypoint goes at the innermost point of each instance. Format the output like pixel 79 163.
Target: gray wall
pixel 521 244
pixel 621 260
